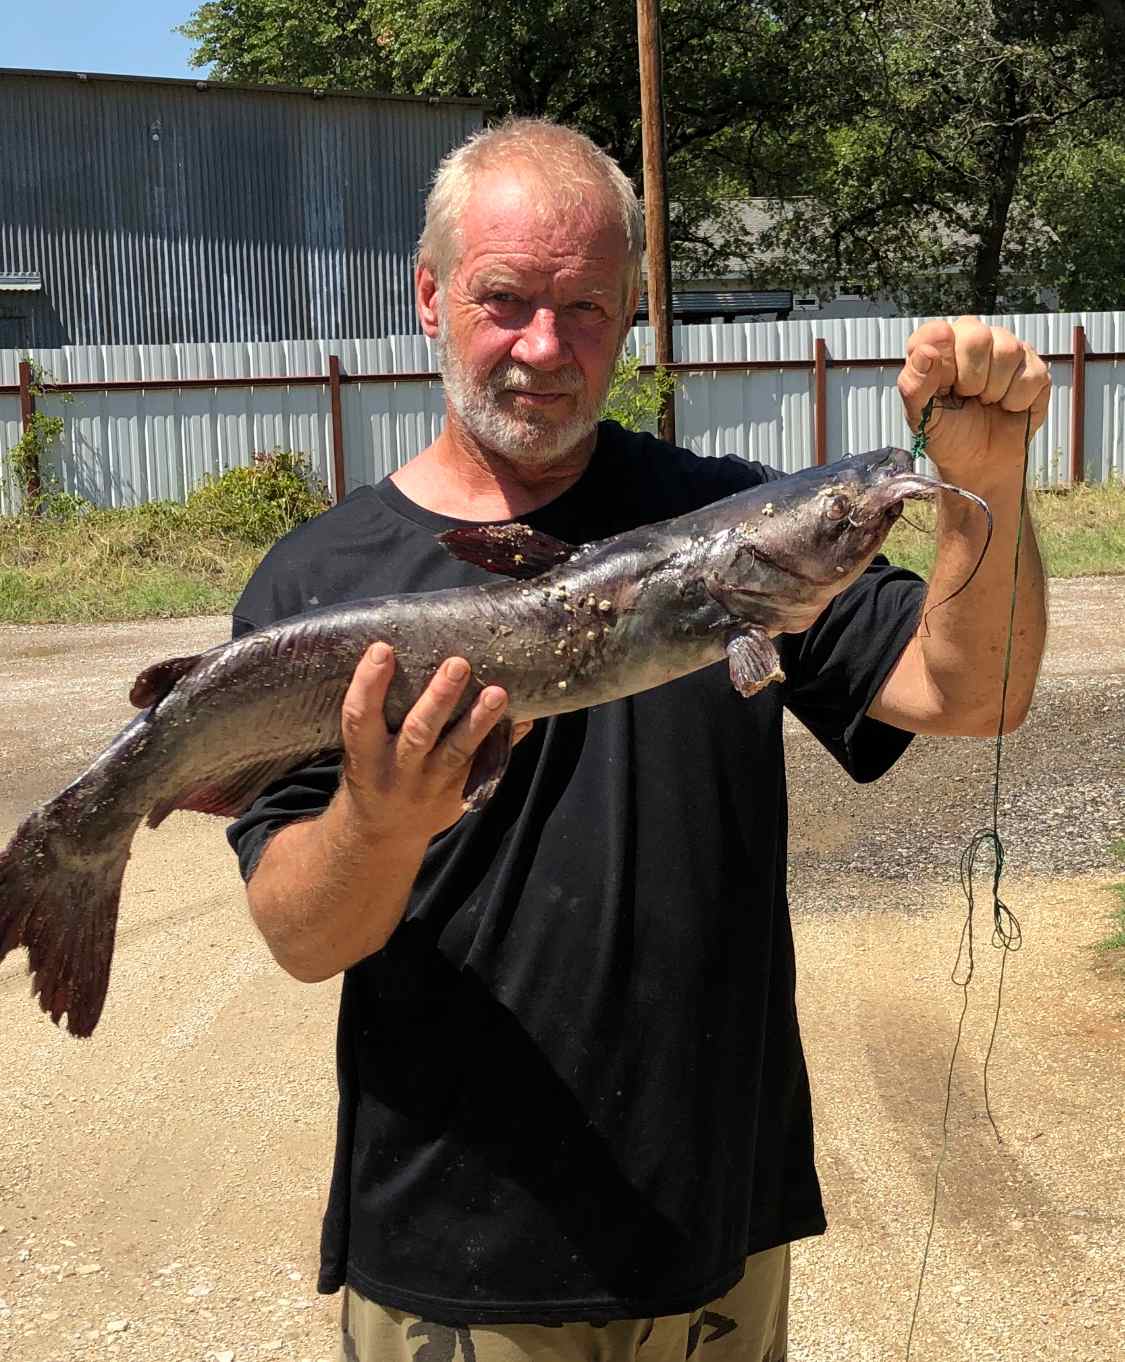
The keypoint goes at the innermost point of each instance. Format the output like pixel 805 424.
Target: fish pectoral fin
pixel 489 765
pixel 154 683
pixel 510 550
pixel 754 661
pixel 227 794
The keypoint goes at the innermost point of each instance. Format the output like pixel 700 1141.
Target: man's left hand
pixel 985 382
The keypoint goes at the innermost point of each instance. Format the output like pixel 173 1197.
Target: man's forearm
pixel 325 895
pixel 953 669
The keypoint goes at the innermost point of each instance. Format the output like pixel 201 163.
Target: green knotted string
pixel 1006 933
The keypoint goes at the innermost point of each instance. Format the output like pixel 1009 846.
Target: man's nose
pixel 540 344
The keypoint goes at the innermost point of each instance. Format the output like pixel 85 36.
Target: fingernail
pixel 923 363
pixel 493 699
pixel 379 653
pixel 456 669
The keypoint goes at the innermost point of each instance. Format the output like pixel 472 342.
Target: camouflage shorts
pixel 748 1324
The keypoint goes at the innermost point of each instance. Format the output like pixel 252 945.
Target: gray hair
pixel 568 161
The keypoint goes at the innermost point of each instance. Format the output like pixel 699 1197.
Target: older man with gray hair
pixel 574 1117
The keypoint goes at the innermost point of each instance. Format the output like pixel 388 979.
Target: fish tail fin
pixel 59 895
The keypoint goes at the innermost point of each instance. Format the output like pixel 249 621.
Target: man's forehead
pixel 514 212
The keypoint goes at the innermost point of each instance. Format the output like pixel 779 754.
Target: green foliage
pixel 634 399
pixel 27 459
pixel 260 503
pixel 952 157
pixel 27 455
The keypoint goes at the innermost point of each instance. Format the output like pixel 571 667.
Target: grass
pixel 152 562
pixel 164 560
pixel 1116 939
pixel 1081 532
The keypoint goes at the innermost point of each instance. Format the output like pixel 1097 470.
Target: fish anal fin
pixel 511 550
pixel 154 683
pixel 754 661
pixel 489 765
pixel 227 794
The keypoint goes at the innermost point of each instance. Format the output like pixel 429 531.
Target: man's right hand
pixel 409 783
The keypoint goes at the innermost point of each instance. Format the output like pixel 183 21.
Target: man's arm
pixel 949 679
pixel 329 891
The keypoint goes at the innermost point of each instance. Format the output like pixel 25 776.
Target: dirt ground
pixel 161 1184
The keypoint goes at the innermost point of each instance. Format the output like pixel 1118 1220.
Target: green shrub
pixel 634 400
pixel 258 504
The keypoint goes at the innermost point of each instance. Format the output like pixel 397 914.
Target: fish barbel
pixel 568 627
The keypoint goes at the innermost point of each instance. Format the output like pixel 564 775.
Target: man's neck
pixel 459 478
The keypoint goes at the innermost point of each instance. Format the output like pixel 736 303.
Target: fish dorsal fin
pixel 511 550
pixel 154 683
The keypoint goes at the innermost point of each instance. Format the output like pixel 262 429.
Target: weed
pixel 258 504
pixel 634 401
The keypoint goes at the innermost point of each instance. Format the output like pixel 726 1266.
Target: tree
pixel 563 59
pixel 922 149
pixel 930 188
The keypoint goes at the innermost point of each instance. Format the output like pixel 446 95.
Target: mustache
pixel 566 380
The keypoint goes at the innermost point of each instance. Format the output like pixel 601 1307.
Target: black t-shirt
pixel 572 1084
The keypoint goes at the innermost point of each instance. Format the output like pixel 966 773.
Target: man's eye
pixel 502 298
pixel 586 305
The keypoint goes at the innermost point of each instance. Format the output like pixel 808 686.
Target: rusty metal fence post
pixel 1078 408
pixel 820 408
pixel 337 427
pixel 32 477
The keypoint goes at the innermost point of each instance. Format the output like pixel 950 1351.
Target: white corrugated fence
pixel 125 446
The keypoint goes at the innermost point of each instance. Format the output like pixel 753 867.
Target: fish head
pixel 809 535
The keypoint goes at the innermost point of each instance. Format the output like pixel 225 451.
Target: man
pixel 574 1115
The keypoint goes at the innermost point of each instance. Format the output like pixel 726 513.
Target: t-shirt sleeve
pixel 300 794
pixel 835 668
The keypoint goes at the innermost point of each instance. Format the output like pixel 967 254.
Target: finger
pixel 929 368
pixel 973 356
pixel 1030 389
pixel 431 712
pixel 1006 363
pixel 457 749
pixel 362 725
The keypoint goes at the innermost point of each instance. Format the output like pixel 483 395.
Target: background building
pixel 143 211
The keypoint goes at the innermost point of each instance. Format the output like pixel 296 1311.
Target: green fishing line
pixel 1006 932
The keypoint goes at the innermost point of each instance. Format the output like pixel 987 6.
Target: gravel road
pixel 161 1184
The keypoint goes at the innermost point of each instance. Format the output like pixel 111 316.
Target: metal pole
pixel 820 409
pixel 32 483
pixel 337 427
pixel 1078 409
pixel 656 197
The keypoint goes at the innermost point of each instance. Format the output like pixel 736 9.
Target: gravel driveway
pixel 161 1184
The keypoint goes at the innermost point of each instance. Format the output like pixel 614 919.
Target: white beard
pixel 527 437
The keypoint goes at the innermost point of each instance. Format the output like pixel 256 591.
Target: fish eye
pixel 839 507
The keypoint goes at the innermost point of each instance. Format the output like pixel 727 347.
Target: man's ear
pixel 428 300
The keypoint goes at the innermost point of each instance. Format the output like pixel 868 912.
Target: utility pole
pixel 656 196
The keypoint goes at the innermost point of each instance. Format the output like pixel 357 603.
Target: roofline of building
pixel 203 86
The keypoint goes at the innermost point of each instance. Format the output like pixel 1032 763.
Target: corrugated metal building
pixel 144 211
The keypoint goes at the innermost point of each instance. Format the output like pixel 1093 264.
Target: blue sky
pixel 125 37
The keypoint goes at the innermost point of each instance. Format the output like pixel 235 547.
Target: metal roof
pixel 204 85
pixel 727 303
pixel 20 281
pixel 159 214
